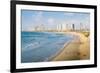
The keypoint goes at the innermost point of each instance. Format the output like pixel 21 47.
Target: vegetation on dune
pixel 86 33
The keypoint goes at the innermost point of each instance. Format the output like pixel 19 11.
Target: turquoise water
pixel 40 46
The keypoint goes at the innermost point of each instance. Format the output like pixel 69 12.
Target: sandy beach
pixel 77 49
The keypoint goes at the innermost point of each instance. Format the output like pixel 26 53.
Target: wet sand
pixel 77 49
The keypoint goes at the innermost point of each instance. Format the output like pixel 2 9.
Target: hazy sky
pixel 51 19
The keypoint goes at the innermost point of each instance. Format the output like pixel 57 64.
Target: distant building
pixel 39 28
pixel 62 27
pixel 73 26
pixel 59 27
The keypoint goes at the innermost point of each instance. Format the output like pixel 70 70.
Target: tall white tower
pixel 64 27
pixel 59 27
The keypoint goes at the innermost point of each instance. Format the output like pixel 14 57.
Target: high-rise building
pixel 61 27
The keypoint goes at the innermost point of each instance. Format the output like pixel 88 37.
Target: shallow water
pixel 39 46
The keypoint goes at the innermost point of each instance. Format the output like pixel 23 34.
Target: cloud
pixel 69 14
pixel 38 16
pixel 50 21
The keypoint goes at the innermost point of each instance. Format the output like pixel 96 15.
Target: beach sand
pixel 77 49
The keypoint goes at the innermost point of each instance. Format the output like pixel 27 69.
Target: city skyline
pixel 51 19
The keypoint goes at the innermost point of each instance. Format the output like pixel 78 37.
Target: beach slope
pixel 77 49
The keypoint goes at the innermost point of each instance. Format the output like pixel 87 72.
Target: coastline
pixel 77 49
pixel 58 52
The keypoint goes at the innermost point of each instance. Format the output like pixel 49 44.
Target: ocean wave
pixel 41 48
pixel 31 46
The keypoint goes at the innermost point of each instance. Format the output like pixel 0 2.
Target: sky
pixel 50 19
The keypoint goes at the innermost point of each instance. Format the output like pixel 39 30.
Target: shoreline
pixel 50 58
pixel 77 49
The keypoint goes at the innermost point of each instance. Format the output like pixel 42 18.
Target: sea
pixel 42 46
